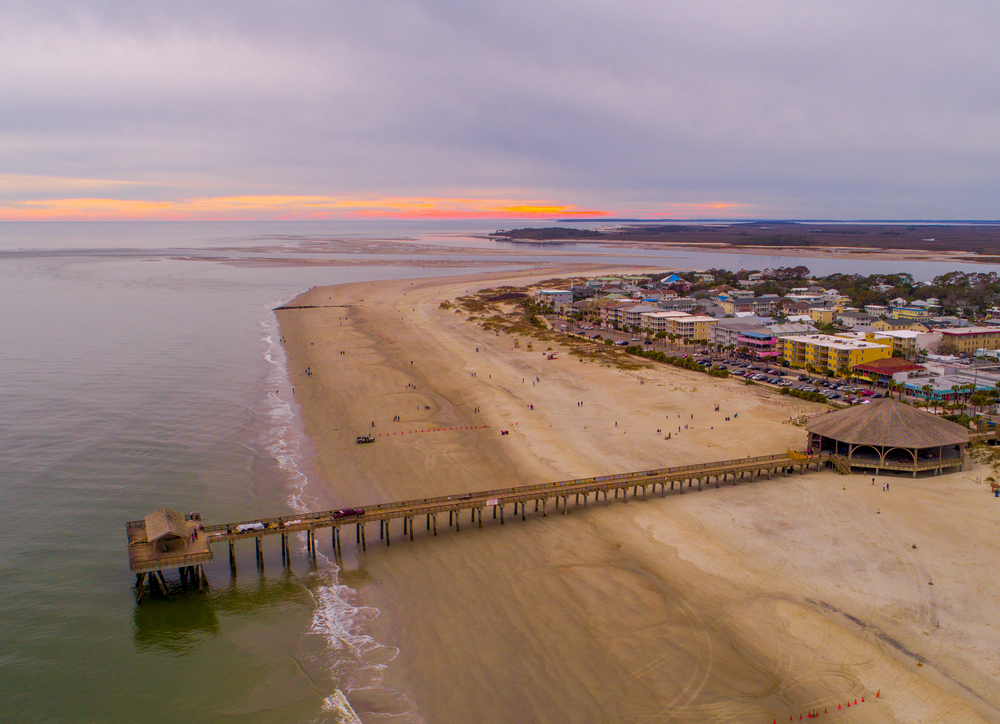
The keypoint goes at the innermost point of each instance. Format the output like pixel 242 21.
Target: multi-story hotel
pixel 692 327
pixel 838 353
pixel 966 340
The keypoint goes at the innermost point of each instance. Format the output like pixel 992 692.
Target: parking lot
pixel 837 391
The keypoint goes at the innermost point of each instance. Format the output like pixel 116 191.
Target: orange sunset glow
pixel 279 207
pixel 283 207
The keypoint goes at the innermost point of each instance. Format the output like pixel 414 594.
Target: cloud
pixel 804 109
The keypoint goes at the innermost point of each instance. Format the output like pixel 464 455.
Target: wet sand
pixel 739 604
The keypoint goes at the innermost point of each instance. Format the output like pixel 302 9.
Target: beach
pixel 744 603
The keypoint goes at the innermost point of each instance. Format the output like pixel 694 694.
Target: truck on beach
pixel 365 438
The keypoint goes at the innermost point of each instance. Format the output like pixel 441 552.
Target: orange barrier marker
pixel 862 700
pixel 838 707
pixel 877 693
pixel 855 702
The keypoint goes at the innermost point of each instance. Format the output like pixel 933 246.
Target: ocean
pixel 141 367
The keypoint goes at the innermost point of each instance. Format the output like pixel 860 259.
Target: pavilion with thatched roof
pixel 889 435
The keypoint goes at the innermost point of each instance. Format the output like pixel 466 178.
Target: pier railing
pixel 458 499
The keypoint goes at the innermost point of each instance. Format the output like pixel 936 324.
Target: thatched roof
pixel 165 523
pixel 890 423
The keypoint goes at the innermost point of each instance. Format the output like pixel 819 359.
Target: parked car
pixel 248 527
pixel 365 438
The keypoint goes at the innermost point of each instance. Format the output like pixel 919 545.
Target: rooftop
pixel 969 330
pixel 888 423
pixel 888 366
pixel 828 340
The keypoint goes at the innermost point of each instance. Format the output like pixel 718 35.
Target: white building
pixel 558 298
pixel 658 321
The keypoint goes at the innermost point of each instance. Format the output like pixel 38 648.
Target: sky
pixel 468 109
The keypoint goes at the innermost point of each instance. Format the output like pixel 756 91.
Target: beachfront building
pixel 558 299
pixel 727 332
pixel 632 316
pixel 889 435
pixel 966 340
pixel 822 351
pixel 876 310
pixel 613 314
pixel 791 329
pixel 692 327
pixel 759 343
pixel 658 321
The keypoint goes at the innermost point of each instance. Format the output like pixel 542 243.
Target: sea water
pixel 141 367
pixel 134 380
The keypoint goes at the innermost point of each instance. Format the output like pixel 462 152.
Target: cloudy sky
pixel 353 108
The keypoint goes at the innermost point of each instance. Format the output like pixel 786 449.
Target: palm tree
pixel 927 390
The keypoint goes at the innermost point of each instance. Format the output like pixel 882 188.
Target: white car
pixel 247 527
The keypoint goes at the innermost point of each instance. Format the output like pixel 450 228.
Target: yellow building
pixel 822 315
pixel 902 341
pixel 885 325
pixel 910 313
pixel 840 354
pixel 692 327
pixel 732 306
pixel 966 340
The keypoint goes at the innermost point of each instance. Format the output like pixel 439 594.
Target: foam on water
pixel 357 660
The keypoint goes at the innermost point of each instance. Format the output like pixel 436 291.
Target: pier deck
pixel 142 557
pixel 190 554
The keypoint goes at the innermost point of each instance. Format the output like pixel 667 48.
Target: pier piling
pixel 148 562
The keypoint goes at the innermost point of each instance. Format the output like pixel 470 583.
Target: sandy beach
pixel 740 604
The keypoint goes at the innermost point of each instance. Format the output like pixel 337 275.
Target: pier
pixel 168 539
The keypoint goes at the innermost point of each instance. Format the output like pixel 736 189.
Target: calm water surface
pixel 133 380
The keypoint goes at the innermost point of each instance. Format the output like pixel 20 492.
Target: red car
pixel 349 513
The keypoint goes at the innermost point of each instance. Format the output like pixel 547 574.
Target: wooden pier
pixel 155 546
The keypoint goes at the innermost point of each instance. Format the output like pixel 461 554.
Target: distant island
pixel 971 239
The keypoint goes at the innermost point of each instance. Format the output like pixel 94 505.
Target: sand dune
pixel 742 604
